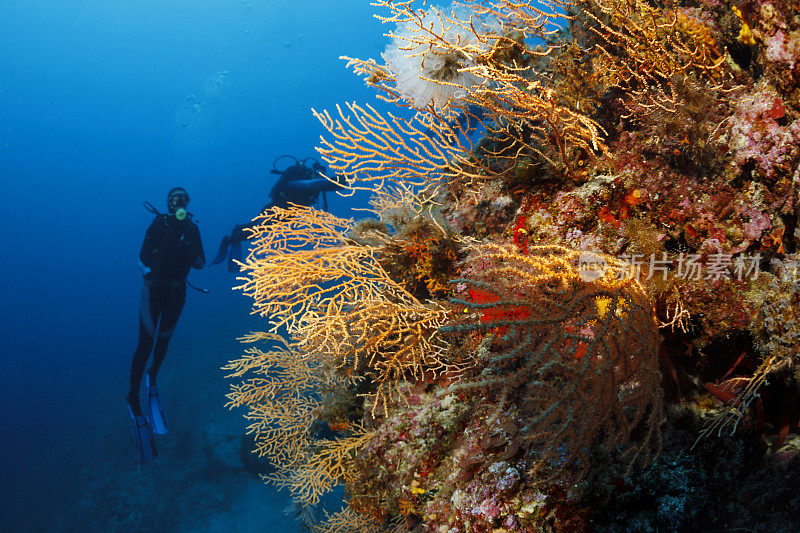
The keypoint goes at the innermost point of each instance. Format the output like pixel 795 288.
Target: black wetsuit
pixel 170 248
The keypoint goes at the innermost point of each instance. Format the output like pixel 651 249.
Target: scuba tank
pixel 297 170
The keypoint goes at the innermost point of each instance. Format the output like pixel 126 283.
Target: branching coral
pixel 777 320
pixel 302 264
pixel 350 521
pixel 283 397
pixel 563 371
pixel 281 413
pixel 386 341
pixel 348 322
pixel 523 115
pixel 648 46
pixel 625 127
pixel 576 350
pixel 555 342
pixel 392 156
pixel 432 51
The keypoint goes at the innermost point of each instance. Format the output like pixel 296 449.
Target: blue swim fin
pixel 155 408
pixel 144 438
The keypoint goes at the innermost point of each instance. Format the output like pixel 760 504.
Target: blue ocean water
pixel 105 104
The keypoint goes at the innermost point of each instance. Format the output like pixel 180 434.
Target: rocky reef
pixel 578 307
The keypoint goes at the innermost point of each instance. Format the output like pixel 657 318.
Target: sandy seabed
pixel 93 481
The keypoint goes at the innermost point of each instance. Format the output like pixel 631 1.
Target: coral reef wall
pixel 577 305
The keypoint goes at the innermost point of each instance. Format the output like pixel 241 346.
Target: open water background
pixel 105 104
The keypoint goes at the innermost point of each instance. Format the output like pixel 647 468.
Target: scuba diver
pixel 299 184
pixel 171 247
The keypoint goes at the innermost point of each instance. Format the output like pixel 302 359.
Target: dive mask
pixel 177 200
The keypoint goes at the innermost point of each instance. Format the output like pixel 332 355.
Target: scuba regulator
pixel 177 200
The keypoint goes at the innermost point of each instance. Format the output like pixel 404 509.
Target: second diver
pixel 299 183
pixel 171 247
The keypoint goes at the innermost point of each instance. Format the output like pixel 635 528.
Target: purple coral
pixel 757 136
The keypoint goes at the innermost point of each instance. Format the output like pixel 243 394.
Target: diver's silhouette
pixel 171 247
pixel 298 184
